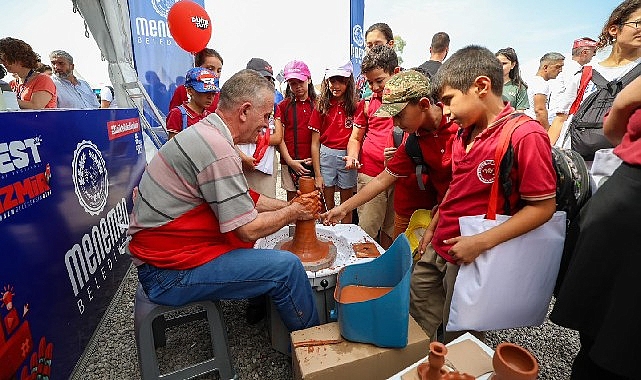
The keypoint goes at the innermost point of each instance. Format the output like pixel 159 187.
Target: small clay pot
pixel 433 369
pixel 513 362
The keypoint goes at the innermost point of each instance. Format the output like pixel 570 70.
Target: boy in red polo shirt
pixel 407 101
pixel 366 154
pixel 470 86
pixel 202 88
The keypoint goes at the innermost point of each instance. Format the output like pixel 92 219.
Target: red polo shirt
pixel 175 118
pixel 630 148
pixel 408 197
pixel 532 175
pixel 285 114
pixel 335 127
pixel 436 148
pixel 377 131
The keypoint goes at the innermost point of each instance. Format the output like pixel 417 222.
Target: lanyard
pixel 22 85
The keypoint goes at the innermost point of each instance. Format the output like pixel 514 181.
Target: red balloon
pixel 190 25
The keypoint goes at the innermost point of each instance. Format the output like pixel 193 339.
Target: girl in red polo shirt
pixel 292 115
pixel 331 124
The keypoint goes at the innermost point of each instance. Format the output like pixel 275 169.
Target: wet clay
pixel 357 293
pixel 305 243
pixel 365 250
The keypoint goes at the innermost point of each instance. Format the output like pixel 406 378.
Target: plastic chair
pixel 149 327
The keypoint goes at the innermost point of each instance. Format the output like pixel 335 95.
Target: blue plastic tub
pixel 382 321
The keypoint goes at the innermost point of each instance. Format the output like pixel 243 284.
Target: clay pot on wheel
pixel 513 362
pixel 433 369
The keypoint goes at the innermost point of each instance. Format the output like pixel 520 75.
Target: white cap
pixel 342 71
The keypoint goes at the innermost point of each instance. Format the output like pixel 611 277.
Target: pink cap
pixel 297 70
pixel 584 42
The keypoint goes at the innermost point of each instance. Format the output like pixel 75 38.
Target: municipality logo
pixel 357 35
pixel 90 180
pixel 162 7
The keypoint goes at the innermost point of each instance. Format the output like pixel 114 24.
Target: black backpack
pixel 414 151
pixel 586 127
pixel 572 193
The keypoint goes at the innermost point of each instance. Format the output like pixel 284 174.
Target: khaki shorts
pixel 262 183
pixel 431 288
pixel 286 181
pixel 378 213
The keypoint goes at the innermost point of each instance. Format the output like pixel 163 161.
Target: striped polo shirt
pixel 191 197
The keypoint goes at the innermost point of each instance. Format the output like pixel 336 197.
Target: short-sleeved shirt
pixel 285 113
pixel 107 94
pixel 408 196
pixel 175 118
pixel 377 132
pixel 630 148
pixel 516 96
pixel 536 86
pixel 431 67
pixel 335 127
pixel 180 96
pixel 42 82
pixel 436 148
pixel 533 176
pixel 191 198
pixel 75 95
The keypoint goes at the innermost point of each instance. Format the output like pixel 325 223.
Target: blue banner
pixel 160 63
pixel 357 38
pixel 66 181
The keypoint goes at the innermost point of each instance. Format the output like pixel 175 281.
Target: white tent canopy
pixel 108 22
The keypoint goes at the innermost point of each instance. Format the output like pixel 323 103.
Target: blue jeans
pixel 239 274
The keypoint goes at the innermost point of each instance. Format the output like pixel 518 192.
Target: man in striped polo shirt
pixel 195 220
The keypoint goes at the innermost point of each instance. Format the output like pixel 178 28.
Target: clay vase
pixel 513 362
pixel 457 376
pixel 433 369
pixel 305 243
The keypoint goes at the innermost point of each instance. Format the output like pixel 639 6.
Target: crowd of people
pixel 41 86
pixel 390 142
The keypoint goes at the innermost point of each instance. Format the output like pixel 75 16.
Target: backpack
pixel 572 190
pixel 414 151
pixel 183 112
pixel 586 127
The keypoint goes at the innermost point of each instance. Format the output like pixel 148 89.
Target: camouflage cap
pixel 400 89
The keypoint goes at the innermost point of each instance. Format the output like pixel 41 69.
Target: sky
pixel 317 32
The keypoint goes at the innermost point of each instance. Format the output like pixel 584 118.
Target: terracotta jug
pixel 513 362
pixel 433 369
pixel 305 243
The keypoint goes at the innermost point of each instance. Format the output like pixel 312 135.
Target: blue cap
pixel 202 80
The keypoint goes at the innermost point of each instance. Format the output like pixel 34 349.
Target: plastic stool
pixel 149 327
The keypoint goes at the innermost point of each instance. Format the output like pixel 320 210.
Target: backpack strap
pixel 413 150
pixel 505 141
pixel 183 112
pixel 631 75
pixel 295 124
pixel 586 75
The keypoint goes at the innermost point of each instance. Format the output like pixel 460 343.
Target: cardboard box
pixel 348 360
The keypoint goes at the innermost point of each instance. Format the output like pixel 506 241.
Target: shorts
pixel 286 181
pixel 377 213
pixel 333 169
